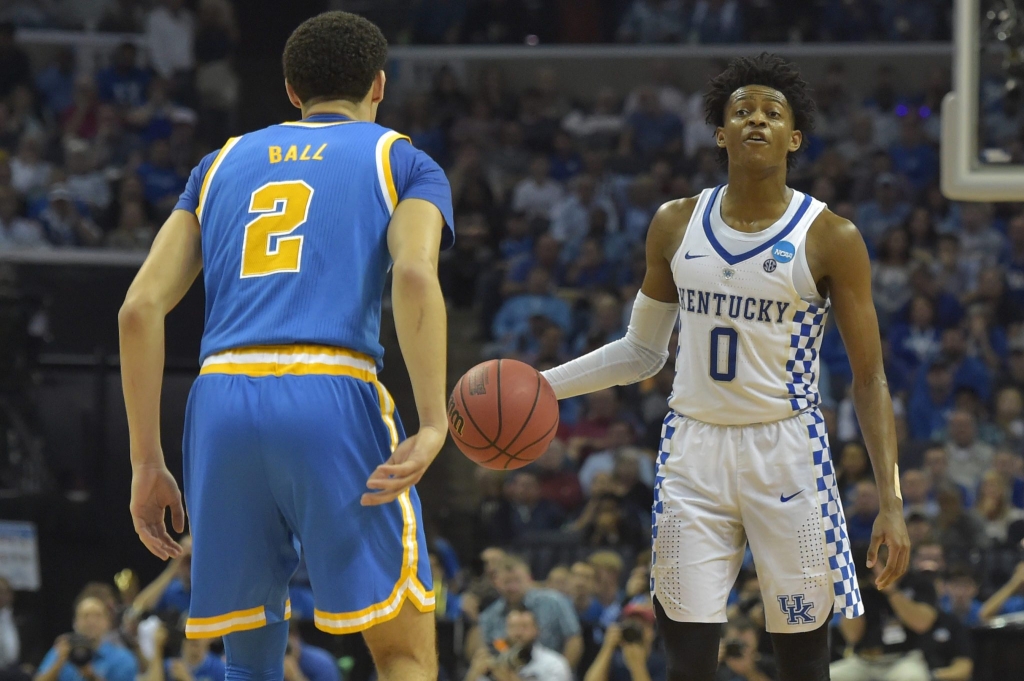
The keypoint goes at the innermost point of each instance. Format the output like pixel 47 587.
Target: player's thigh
pixel 698 538
pixel 850 668
pixel 411 635
pixel 242 555
pixel 795 526
pixel 330 433
pixel 911 667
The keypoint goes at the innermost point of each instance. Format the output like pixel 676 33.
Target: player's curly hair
pixel 769 70
pixel 334 55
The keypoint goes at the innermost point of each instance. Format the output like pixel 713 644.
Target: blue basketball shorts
pixel 279 442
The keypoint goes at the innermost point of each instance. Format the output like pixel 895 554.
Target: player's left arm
pixel 174 262
pixel 838 253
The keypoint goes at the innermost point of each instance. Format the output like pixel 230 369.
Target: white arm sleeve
pixel 639 355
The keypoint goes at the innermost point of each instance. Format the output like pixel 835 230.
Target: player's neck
pixel 357 112
pixel 752 193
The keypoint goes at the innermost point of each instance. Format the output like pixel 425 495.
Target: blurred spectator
pixel 67 223
pixel 523 510
pixel 133 231
pixel 170 34
pixel 628 652
pixel 961 597
pixel 948 649
pixel 171 591
pixel 558 628
pixel 957 530
pixel 591 270
pixel 916 342
pixel 612 524
pixel 123 83
pixel 608 568
pixel 884 212
pixel 86 184
pixel 890 277
pixel 913 156
pixel 739 658
pixel 650 130
pixel 88 654
pixel 305 662
pixel 994 509
pixel 600 127
pixel 619 442
pixel 514 316
pixel 653 21
pixel 1008 599
pixel 861 517
pixel 931 401
pixel 10 641
pixel 23 118
pixel 889 638
pixel 525 656
pixel 1011 466
pixel 162 181
pixel 56 83
pixel 717 21
pixel 15 68
pixel 917 494
pixel 16 231
pixel 570 217
pixel 968 457
pixel 559 483
pixel 195 662
pixel 981 244
pixel 30 174
pixel 81 119
pixel 538 194
pixel 852 468
pixel 217 85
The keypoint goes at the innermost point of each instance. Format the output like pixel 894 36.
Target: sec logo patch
pixel 770 265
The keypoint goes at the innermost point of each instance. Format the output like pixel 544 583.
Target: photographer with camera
pixel 739 658
pixel 520 657
pixel 628 653
pixel 88 654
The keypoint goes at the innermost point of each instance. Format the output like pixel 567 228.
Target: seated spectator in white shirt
pixel 537 194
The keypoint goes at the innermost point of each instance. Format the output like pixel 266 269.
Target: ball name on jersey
pixel 722 304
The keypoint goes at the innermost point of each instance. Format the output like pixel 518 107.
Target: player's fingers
pixel 150 542
pixel 394 470
pixel 876 541
pixel 378 498
pixel 159 533
pixel 390 484
pixel 178 516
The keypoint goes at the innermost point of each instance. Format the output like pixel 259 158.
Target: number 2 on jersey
pixel 723 353
pixel 266 246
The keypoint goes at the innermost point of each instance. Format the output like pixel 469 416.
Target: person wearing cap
pixel 628 652
pixel 884 211
pixel 66 224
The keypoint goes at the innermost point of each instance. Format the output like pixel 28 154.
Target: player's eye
pixel 773 114
pixel 741 112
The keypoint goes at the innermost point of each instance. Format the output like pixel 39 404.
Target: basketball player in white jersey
pixel 751 270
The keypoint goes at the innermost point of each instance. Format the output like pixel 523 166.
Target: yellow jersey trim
pixel 228 146
pixel 384 174
pixel 239 620
pixel 294 360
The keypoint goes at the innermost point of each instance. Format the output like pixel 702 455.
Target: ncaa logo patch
pixel 783 251
pixel 770 265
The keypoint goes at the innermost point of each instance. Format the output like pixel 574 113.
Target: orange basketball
pixel 502 414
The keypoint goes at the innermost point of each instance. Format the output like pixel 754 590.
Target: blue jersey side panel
pixel 351 175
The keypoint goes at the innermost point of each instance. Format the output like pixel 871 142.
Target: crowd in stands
pixel 435 22
pixel 99 159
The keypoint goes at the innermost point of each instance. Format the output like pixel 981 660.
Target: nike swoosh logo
pixel 783 498
pixel 691 257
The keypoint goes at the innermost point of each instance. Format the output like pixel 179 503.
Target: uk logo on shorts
pixel 783 251
pixel 795 610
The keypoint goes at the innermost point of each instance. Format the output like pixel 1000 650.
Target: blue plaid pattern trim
pixel 844 574
pixel 804 346
pixel 668 429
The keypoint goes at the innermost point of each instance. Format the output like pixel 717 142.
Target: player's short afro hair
pixel 766 69
pixel 334 55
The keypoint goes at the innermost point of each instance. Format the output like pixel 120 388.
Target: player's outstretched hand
pixel 406 466
pixel 153 492
pixel 889 529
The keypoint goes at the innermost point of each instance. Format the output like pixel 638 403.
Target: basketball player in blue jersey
pixel 750 271
pixel 288 433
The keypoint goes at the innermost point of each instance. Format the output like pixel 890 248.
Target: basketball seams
pixel 526 421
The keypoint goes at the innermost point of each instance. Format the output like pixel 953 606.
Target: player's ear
pixel 377 89
pixel 292 97
pixel 795 141
pixel 720 137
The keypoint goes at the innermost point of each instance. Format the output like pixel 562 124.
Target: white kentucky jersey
pixel 748 342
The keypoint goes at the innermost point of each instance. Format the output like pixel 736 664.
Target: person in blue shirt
pixel 56 83
pixel 305 662
pixel 92 626
pixel 862 513
pixel 913 156
pixel 161 180
pixel 194 663
pixel 123 83
pixel 171 591
pixel 961 597
pixel 931 400
pixel 514 316
pixel 650 130
pixel 1009 599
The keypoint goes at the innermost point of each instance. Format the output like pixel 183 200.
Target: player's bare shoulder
pixel 833 242
pixel 669 225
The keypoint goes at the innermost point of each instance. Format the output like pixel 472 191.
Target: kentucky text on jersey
pixel 735 307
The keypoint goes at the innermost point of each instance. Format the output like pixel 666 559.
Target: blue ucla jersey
pixel 294 222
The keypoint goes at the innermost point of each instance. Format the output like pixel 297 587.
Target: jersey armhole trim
pixel 385 176
pixel 698 210
pixel 204 190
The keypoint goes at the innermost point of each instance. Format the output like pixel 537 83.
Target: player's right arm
pixel 414 240
pixel 644 350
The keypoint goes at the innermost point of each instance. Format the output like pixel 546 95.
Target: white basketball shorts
pixel 770 484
